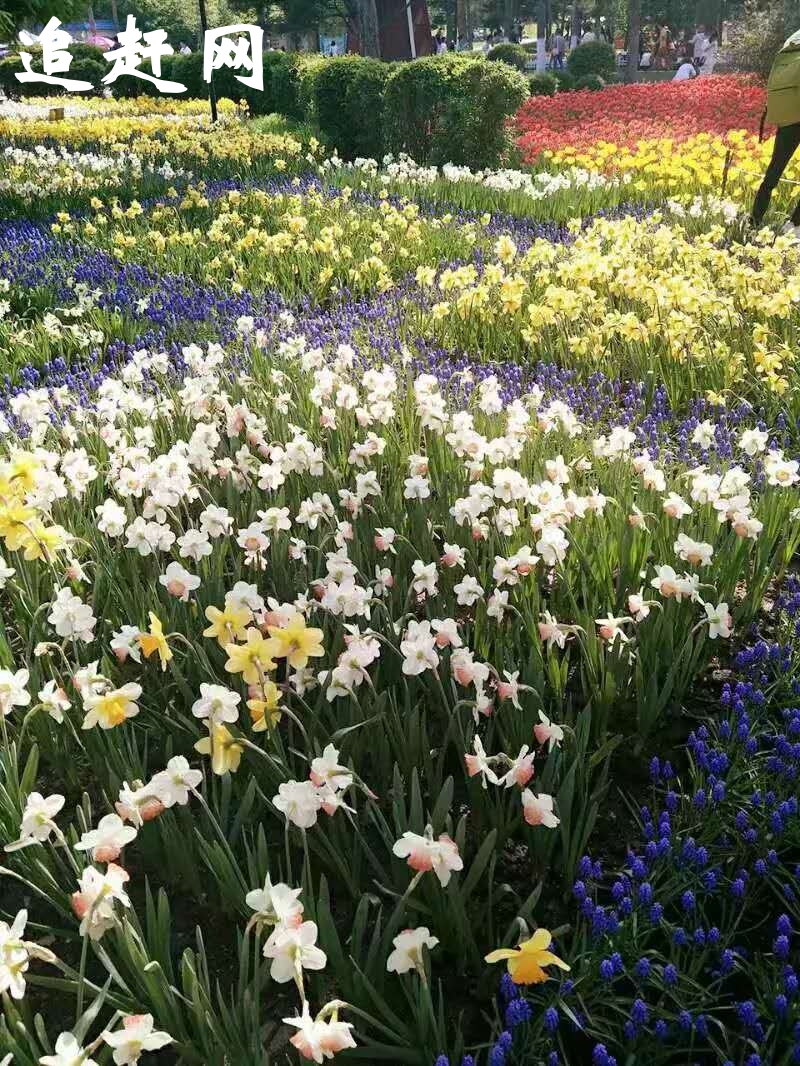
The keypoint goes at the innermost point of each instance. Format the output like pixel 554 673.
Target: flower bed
pixel 624 115
pixel 369 553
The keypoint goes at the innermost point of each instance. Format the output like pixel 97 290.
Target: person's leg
pixel 786 141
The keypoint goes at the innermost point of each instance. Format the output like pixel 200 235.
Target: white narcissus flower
pixel 54 700
pixel 194 545
pixel 520 770
pixel 134 1038
pixel 547 732
pixel 71 617
pixel 318 1039
pixel 418 649
pixel 217 704
pixel 720 623
pixel 13 692
pixel 468 591
pixel 173 785
pixel 325 770
pixel 407 954
pixel 675 506
pixel 179 582
pixel 68 1053
pixel 276 904
pixel 112 708
pixel 94 900
pixel 299 801
pixel 538 810
pixel 108 840
pixel 293 948
pixel 424 853
pixel 696 552
pixel 6 572
pixel 480 763
pixel 37 820
pixel 753 441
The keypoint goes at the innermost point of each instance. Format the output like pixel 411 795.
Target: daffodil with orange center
pixel 295 642
pixel 526 963
pixel 155 641
pixel 251 659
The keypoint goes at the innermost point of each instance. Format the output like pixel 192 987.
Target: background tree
pixel 16 14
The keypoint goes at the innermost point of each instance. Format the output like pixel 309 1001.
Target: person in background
pixel 663 48
pixel 558 47
pixel 589 36
pixel 441 43
pixel 783 111
pixel 699 45
pixel 686 70
pixel 184 49
pixel 710 58
pixel 646 60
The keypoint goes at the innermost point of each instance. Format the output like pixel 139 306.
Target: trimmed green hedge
pixel 595 57
pixel 349 103
pixel 513 54
pixel 87 65
pixel 452 108
pixel 543 84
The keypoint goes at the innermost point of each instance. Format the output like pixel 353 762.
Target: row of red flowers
pixel 627 114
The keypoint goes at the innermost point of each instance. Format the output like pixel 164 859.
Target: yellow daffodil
pixel 265 711
pixel 229 624
pixel 526 963
pixel 155 641
pixel 221 745
pixel 252 659
pixel 295 642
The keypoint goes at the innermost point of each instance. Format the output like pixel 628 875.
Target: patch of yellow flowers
pixel 634 296
pixel 665 166
pixel 22 527
pixel 307 242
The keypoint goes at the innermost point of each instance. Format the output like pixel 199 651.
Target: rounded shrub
pixel 281 85
pixel 590 81
pixel 542 85
pixel 81 50
pixel 349 99
pixel 92 70
pixel 564 79
pixel 416 99
pixel 513 54
pixel 308 67
pixel 475 131
pixel 595 57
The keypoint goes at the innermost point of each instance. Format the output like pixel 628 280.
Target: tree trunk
pixel 114 14
pixel 463 25
pixel 634 33
pixel 541 37
pixel 508 19
pixel 576 18
pixel 368 25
